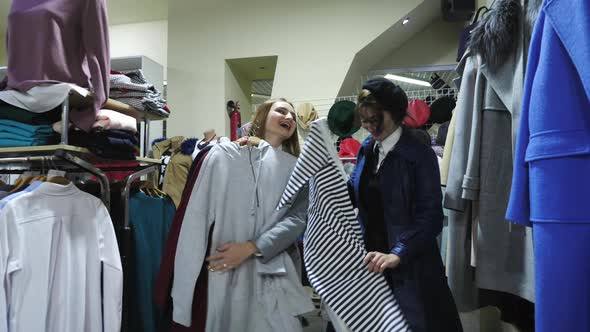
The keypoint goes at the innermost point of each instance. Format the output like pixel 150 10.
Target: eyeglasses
pixel 374 121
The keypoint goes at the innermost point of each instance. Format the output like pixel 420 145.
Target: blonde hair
pixel 366 99
pixel 258 126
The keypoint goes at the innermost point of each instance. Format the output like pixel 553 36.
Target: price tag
pixel 54 173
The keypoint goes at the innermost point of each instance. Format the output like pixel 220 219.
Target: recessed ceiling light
pixel 262 68
pixel 406 21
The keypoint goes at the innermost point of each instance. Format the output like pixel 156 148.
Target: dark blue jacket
pixel 412 201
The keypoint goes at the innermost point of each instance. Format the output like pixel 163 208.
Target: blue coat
pixel 412 201
pixel 551 181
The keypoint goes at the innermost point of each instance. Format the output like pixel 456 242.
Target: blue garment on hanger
pixel 150 219
pixel 28 189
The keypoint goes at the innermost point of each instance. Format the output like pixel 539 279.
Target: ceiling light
pixel 406 80
pixel 406 21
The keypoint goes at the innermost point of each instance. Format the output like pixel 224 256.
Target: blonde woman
pixel 253 283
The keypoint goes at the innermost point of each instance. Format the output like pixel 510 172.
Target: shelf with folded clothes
pixel 48 150
pixel 127 109
pixel 132 89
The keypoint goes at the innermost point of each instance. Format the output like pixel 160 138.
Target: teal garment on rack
pixel 150 219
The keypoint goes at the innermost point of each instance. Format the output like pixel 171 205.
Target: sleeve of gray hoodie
pixel 285 232
pixel 192 241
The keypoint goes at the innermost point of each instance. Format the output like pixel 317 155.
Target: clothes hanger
pixel 479 11
pixel 59 177
pixel 20 185
pixel 39 178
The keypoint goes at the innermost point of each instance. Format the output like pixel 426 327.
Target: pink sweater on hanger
pixel 51 41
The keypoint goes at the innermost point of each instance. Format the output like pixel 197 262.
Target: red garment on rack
pixel 235 120
pixel 349 147
pixel 163 284
pixel 116 175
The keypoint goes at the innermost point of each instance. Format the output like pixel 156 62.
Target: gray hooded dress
pixel 238 189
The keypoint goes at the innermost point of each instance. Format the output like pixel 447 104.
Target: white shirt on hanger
pixel 387 145
pixel 53 243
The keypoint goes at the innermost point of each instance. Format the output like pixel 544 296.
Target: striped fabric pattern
pixel 333 244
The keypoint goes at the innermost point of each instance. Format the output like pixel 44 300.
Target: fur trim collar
pixel 188 146
pixel 495 36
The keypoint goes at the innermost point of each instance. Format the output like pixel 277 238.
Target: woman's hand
pixel 230 256
pixel 249 140
pixel 377 262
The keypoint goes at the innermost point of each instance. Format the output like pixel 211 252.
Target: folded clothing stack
pixel 131 88
pixel 14 133
pixel 14 113
pixel 108 120
pixel 108 144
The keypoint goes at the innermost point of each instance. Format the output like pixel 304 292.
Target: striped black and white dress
pixel 333 245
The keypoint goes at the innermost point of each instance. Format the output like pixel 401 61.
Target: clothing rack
pixel 127 189
pixel 69 158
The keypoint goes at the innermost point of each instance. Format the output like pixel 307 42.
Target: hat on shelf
pixel 343 119
pixel 441 109
pixel 418 113
pixel 349 147
pixel 306 114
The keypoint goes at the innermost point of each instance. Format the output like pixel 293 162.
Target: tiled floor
pixel 483 320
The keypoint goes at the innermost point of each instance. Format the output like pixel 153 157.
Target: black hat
pixel 441 110
pixel 388 95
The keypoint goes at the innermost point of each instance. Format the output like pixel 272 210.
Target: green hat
pixel 343 119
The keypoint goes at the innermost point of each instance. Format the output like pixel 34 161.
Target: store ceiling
pixel 120 11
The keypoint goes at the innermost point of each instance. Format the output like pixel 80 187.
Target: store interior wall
pixel 148 39
pixel 315 44
pixel 435 45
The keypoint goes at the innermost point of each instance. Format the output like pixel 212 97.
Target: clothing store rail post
pixel 128 181
pixel 105 190
pixel 65 112
pixel 146 137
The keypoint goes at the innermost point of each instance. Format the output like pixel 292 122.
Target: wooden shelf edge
pixel 79 151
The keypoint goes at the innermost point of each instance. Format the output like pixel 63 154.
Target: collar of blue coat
pixel 571 20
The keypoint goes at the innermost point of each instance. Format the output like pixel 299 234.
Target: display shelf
pixel 68 158
pixel 48 150
pixel 120 107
